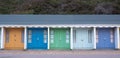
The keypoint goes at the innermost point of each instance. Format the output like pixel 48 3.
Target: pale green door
pixel 83 38
pixel 59 38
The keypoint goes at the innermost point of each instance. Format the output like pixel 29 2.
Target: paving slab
pixel 60 54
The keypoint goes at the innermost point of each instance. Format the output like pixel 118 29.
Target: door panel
pixel 37 39
pixel 19 41
pixel 54 42
pixel 13 38
pixel 83 38
pixel 59 38
pixel 105 35
pixel 64 39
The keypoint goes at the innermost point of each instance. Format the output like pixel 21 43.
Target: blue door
pixel 105 38
pixel 37 38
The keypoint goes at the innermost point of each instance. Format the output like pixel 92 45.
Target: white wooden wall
pixel 117 37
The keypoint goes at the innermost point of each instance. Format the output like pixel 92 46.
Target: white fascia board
pixel 64 25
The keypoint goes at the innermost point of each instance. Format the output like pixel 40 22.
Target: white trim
pixel 13 26
pixel 63 25
pixel 2 38
pixel 71 38
pixel 25 37
pixel 94 30
pixel 48 38
pixel 118 38
pixel 36 26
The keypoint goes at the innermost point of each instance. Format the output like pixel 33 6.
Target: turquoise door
pixel 83 38
pixel 37 38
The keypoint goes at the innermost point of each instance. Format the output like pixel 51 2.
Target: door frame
pixel 0 37
pixel 118 38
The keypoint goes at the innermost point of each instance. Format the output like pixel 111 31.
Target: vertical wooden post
pixel 118 38
pixel 48 38
pixel 94 30
pixel 71 37
pixel 2 38
pixel 25 38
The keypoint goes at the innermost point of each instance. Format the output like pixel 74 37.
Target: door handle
pixel 104 39
pixel 81 40
pixel 59 39
pixel 37 38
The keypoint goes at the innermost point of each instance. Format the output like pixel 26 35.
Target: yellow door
pixel 14 38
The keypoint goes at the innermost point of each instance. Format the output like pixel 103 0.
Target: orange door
pixel 14 38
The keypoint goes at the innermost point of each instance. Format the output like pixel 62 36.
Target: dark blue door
pixel 37 38
pixel 105 38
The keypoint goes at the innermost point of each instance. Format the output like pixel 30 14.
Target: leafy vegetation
pixel 59 6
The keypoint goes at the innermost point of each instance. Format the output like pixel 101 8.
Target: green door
pixel 59 38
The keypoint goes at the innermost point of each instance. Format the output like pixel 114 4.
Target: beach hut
pixel 60 31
